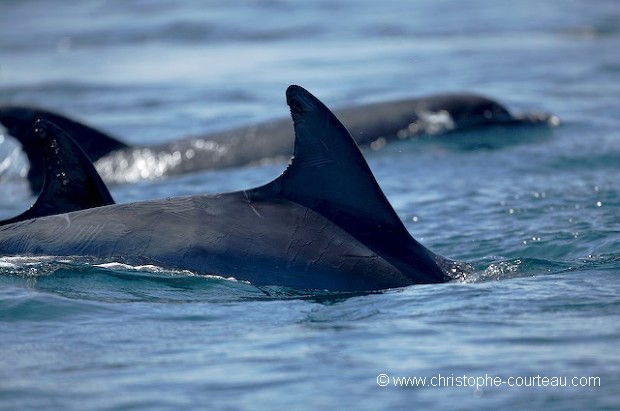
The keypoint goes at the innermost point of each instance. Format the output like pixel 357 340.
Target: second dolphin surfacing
pixel 371 125
pixel 323 224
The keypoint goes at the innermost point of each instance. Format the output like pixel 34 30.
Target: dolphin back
pixel 323 224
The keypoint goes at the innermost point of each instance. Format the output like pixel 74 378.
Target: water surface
pixel 535 211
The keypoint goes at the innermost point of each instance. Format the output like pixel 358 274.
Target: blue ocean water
pixel 536 212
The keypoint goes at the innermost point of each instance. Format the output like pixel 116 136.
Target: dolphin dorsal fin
pixel 71 182
pixel 328 172
pixel 329 175
pixel 19 121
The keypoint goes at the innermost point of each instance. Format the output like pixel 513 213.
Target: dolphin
pixel 70 180
pixel 371 125
pixel 323 224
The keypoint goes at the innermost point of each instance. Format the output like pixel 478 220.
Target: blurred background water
pixel 535 211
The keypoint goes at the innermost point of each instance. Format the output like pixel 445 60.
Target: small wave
pixel 492 269
pixel 46 265
pixel 495 269
pixel 155 271
pixel 116 281
pixel 31 266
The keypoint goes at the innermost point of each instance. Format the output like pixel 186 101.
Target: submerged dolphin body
pixel 323 224
pixel 370 124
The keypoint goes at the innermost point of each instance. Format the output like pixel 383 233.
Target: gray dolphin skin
pixel 324 224
pixel 370 125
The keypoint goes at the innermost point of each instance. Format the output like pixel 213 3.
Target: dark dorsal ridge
pixel 19 123
pixel 329 175
pixel 19 120
pixel 328 170
pixel 71 181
